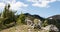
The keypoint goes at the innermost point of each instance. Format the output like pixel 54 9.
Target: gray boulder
pixel 51 28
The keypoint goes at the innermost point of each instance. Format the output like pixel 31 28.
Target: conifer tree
pixel 45 23
pixel 8 15
pixel 21 19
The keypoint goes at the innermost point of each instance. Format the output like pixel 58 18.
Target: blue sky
pixel 43 8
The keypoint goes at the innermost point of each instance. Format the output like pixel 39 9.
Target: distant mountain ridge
pixel 55 17
pixel 34 16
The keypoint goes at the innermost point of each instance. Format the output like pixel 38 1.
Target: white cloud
pixel 1 6
pixel 42 3
pixel 18 5
pixel 15 5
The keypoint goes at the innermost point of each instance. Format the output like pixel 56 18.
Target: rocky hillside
pixel 55 17
pixel 22 28
pixel 27 28
pixel 54 20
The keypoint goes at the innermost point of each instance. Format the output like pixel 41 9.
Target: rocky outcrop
pixel 51 28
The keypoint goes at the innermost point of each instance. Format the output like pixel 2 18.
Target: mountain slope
pixel 22 28
pixel 54 20
pixel 55 17
pixel 34 16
